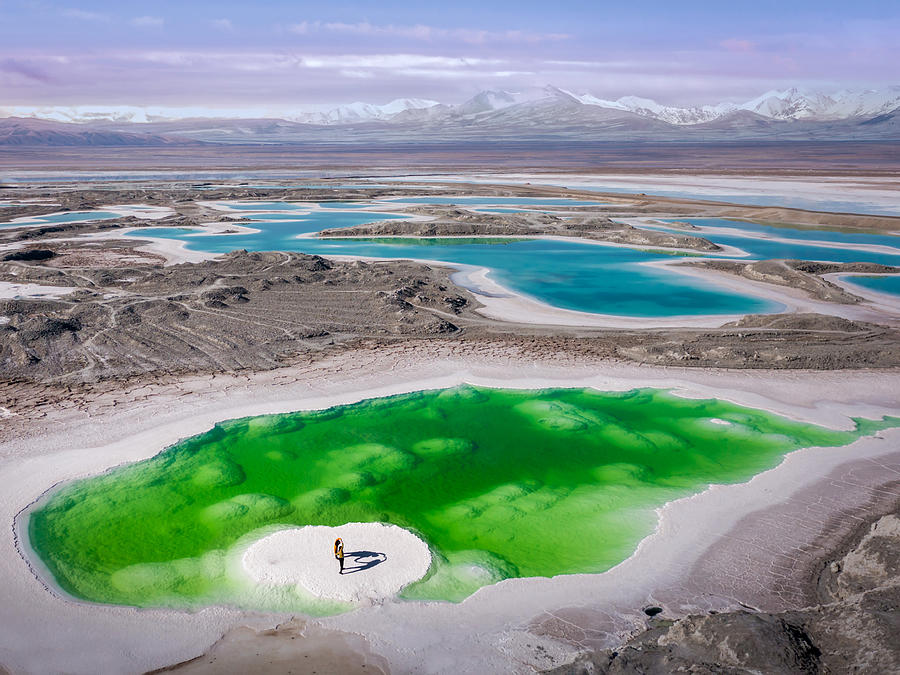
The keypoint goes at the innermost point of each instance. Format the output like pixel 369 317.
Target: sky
pixel 227 54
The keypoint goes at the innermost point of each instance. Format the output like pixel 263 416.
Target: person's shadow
pixel 365 560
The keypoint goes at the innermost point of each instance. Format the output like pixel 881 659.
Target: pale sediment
pixel 379 561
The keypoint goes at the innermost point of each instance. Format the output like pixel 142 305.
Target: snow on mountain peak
pixel 786 104
pixel 800 104
pixel 498 99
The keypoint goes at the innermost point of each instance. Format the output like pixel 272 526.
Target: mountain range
pixel 538 114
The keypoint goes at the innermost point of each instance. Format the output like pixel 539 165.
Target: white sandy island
pixel 379 560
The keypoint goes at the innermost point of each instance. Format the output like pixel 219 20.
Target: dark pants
pixel 341 561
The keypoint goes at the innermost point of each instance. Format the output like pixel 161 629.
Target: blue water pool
pixel 567 274
pixel 570 275
pixel 69 217
pixel 799 246
pixel 888 283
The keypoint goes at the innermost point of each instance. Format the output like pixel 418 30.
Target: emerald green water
pixel 500 483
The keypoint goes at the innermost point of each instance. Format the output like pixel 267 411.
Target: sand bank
pixel 702 229
pixel 9 290
pixel 174 251
pixel 884 302
pixel 486 633
pixel 379 560
pixel 142 211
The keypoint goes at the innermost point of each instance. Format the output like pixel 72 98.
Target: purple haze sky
pixel 239 54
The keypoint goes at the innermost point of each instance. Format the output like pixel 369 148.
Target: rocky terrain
pixel 245 310
pixel 801 274
pixel 187 202
pixel 132 316
pixel 853 627
pixel 453 222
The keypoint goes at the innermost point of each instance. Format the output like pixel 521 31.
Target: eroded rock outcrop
pixel 854 630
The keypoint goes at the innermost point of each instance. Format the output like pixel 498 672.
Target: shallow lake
pixel 566 274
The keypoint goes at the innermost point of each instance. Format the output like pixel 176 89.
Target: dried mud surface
pixel 242 311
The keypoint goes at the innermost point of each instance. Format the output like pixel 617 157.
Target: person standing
pixel 339 553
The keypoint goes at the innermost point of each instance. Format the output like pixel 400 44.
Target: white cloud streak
pixel 83 15
pixel 424 33
pixel 223 25
pixel 147 22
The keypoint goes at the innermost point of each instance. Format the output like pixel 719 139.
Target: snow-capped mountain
pixel 650 108
pixel 360 112
pixel 796 104
pixel 498 99
pixel 323 115
pixel 79 114
pixel 790 104
pixel 538 113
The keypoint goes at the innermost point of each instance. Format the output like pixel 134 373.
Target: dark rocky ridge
pixel 854 629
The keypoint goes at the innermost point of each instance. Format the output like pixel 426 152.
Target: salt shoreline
pixel 710 184
pixel 124 639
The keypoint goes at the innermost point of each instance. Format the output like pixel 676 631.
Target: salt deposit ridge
pixel 379 560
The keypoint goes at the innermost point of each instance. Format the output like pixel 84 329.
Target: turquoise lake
pixel 70 217
pixel 883 284
pixel 570 275
pixel 566 274
pixel 765 249
pixel 832 236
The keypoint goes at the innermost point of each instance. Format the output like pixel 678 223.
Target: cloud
pixel 82 15
pixel 25 69
pixel 148 22
pixel 423 33
pixel 223 25
pixel 736 45
pixel 394 61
